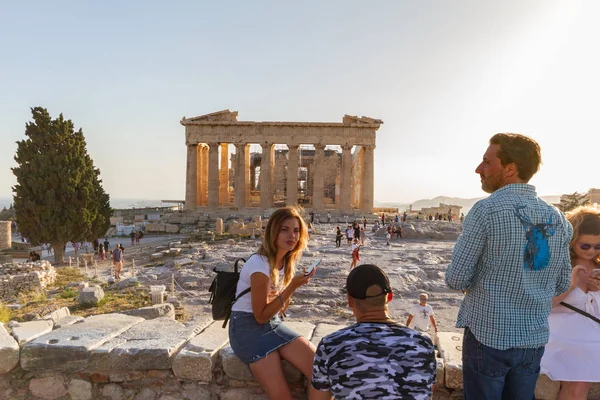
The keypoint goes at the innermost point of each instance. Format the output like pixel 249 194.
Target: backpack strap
pixel 577 310
pixel 236 299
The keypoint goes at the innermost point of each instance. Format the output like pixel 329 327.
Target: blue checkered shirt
pixel 511 259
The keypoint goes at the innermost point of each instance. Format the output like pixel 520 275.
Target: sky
pixel 444 76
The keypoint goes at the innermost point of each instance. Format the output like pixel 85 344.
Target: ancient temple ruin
pixel 297 164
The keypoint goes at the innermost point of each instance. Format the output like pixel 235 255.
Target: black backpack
pixel 222 291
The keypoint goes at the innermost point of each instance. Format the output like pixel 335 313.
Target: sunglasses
pixel 587 246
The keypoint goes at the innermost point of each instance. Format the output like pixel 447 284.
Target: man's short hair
pixel 424 295
pixel 521 150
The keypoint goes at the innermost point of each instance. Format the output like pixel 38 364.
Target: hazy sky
pixel 443 76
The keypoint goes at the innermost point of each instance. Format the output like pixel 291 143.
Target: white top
pixel 421 316
pixel 255 264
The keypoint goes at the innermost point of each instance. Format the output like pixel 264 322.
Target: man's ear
pixel 350 300
pixel 511 170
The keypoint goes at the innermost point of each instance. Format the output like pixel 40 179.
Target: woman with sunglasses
pixel 571 355
pixel 256 333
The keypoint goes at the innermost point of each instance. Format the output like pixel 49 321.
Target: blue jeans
pixel 493 374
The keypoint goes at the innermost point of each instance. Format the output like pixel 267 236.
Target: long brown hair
pixel 269 245
pixel 585 221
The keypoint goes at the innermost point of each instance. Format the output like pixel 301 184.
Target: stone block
pixel 156 256
pixel 80 390
pixel 152 312
pixel 182 262
pixel 450 348
pixel 219 226
pixel 174 244
pixel 9 351
pixel 323 330
pixel 151 344
pixel 196 361
pixel 69 320
pixel 58 314
pixel 171 228
pixel 67 348
pixel 25 332
pixel 440 372
pixel 90 296
pixel 174 251
pixel 50 387
pixel 546 389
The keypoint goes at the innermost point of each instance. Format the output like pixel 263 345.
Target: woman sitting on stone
pixel 256 333
pixel 571 355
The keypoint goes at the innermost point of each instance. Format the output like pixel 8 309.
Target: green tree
pixel 571 201
pixel 58 195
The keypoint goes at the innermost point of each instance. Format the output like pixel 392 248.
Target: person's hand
pixel 578 274
pixel 593 283
pixel 301 279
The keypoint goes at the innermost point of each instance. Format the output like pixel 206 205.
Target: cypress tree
pixel 59 195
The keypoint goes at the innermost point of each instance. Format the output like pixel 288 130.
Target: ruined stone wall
pixel 118 357
pixel 17 278
pixel 5 235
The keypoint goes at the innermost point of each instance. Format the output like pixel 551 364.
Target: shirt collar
pixel 517 187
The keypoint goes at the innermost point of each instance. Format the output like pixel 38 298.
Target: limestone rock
pixel 68 320
pixel 9 351
pixel 91 295
pixel 450 347
pixel 155 311
pixel 323 330
pixel 67 348
pixel 150 344
pixel 58 314
pixel 80 389
pixel 50 387
pixel 27 331
pixel 196 361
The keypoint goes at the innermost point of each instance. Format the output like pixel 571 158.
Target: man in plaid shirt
pixel 511 259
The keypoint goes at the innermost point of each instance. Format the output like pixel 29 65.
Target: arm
pixel 262 308
pixel 410 317
pixel 432 319
pixel 574 283
pixel 468 249
pixel 565 277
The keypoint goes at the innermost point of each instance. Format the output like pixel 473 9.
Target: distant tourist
pixel 376 358
pixel 382 218
pixel 50 252
pixel 106 245
pixel 101 252
pixel 355 253
pixel 257 334
pixel 421 314
pixel 356 227
pixel 117 259
pixel 44 248
pixel 388 236
pixel 328 217
pixel 365 223
pixel 34 256
pixel 132 236
pixel 362 236
pixel 349 234
pixel 572 351
pixel 338 237
pixel 462 218
pixel 511 259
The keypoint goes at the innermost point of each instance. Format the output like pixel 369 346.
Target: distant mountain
pixel 466 204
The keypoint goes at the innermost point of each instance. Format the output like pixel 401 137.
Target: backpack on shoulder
pixel 222 291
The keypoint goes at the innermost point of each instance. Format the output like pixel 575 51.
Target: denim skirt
pixel 252 341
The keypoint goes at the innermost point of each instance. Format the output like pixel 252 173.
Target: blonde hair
pixel 585 221
pixel 269 245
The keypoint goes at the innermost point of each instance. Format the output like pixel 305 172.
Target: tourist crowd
pixel 531 282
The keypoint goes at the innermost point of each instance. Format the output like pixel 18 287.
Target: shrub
pixel 4 313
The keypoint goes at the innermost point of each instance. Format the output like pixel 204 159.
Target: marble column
pixel 199 174
pixel 249 183
pixel 224 175
pixel 346 178
pixel 213 176
pixel 266 172
pixel 205 175
pixel 292 176
pixel 240 175
pixel 191 177
pixel 318 178
pixel 368 184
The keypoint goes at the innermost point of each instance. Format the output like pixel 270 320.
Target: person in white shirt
pixel 421 315
pixel 257 334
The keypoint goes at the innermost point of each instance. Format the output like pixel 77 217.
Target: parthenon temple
pixel 300 163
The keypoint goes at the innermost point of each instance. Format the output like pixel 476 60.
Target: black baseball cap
pixel 363 277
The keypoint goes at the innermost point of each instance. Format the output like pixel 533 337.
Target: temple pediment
pixel 223 115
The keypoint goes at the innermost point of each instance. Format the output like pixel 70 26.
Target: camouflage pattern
pixel 372 360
